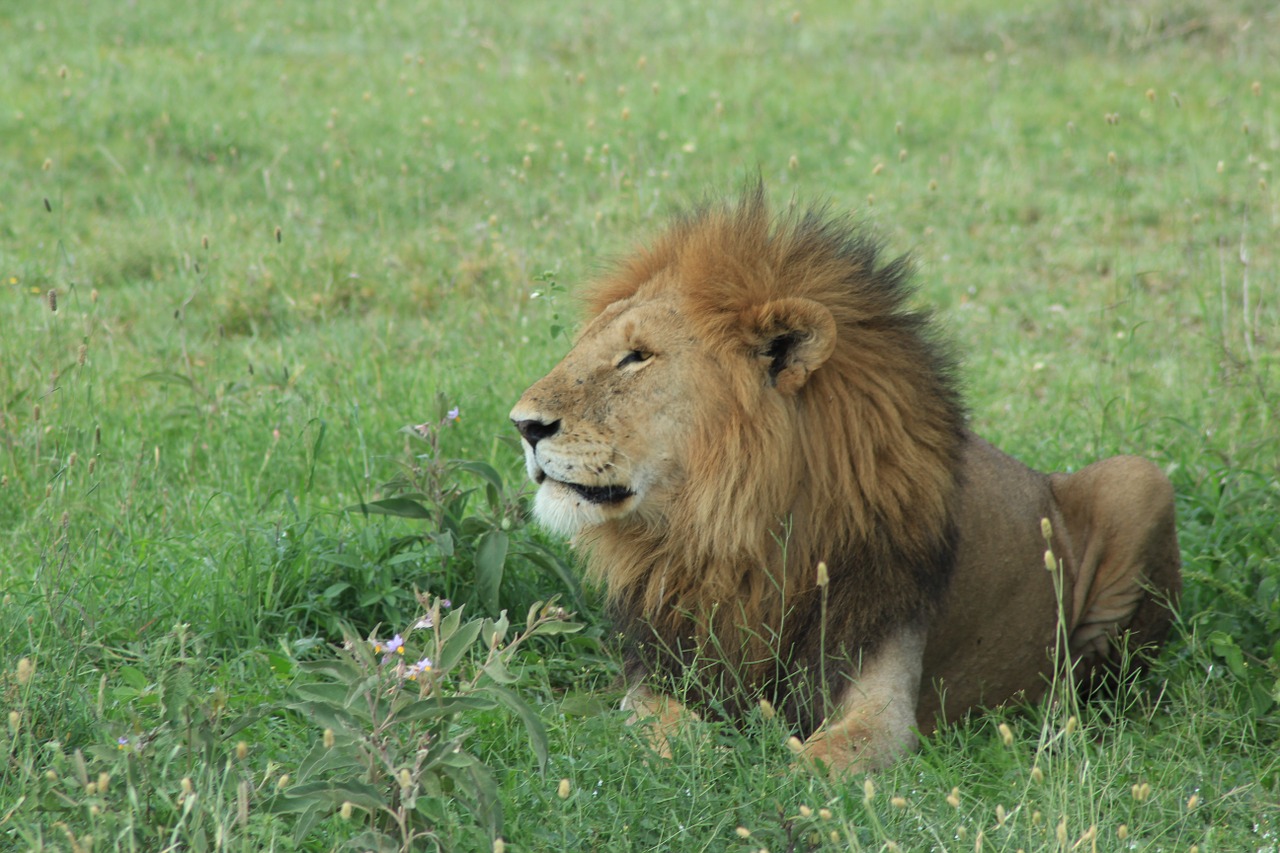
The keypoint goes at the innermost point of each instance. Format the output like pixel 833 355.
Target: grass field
pixel 244 246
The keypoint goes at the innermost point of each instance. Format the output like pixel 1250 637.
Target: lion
pixel 762 451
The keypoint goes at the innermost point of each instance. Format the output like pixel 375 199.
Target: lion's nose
pixel 534 431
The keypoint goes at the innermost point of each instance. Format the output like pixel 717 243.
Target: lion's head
pixel 748 397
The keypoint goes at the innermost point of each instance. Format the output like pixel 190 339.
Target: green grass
pixel 280 232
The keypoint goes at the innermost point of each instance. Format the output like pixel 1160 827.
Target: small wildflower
pixel 446 603
pixel 424 623
pixel 422 667
pixel 394 646
pixel 453 414
pixel 122 742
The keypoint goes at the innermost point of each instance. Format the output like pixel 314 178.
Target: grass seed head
pixel 1006 734
pixel 742 832
pixel 824 814
pixel 953 799
pixel 823 577
pixel 26 669
pixel 564 789
pixel 345 811
pixel 805 811
pixel 1037 775
pixel 868 790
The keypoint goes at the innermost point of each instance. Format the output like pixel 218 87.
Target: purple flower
pixel 422 667
pixel 122 742
pixel 453 414
pixel 423 623
pixel 446 603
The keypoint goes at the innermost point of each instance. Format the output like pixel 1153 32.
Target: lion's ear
pixel 793 337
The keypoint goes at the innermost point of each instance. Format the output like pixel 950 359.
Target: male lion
pixel 751 398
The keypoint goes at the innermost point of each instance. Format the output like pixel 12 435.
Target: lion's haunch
pixel 753 396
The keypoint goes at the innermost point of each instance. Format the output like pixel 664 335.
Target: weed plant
pixel 272 274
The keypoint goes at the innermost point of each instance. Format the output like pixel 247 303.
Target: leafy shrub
pixel 395 725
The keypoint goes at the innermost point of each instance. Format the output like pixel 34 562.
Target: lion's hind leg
pixel 1124 556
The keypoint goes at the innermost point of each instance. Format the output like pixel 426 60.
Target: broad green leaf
pixel 532 722
pixel 452 650
pixel 491 558
pixel 400 506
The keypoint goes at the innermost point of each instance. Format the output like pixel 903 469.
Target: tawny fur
pixel 771 401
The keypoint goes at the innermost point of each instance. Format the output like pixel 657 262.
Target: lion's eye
pixel 634 357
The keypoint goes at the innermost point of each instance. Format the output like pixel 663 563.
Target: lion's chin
pixel 569 508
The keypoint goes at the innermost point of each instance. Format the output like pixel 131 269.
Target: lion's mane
pixel 858 469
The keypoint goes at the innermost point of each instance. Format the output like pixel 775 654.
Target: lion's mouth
pixel 600 494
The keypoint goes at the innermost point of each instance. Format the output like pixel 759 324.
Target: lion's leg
pixel 1119 515
pixel 876 717
pixel 660 715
